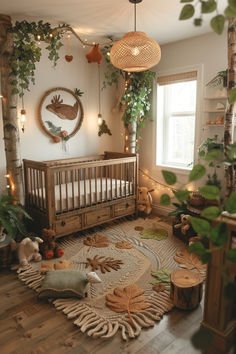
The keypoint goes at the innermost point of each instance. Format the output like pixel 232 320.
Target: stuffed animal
pixel 28 250
pixel 50 248
pixel 184 224
pixel 62 264
pixel 145 200
pixel 94 55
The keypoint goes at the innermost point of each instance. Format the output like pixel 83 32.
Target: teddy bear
pixel 50 248
pixel 145 200
pixel 184 224
pixel 28 249
pixel 62 264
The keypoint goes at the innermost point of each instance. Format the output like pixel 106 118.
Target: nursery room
pixel 117 176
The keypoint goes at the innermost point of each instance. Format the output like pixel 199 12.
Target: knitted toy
pixel 94 55
pixel 145 200
pixel 28 250
pixel 50 248
pixel 62 264
pixel 184 224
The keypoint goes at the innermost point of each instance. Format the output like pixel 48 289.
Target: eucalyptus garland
pixel 27 37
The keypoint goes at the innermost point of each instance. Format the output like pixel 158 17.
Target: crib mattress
pixel 84 193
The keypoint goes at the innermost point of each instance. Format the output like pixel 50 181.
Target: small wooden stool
pixel 185 289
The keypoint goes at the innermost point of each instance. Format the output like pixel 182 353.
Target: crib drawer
pixel 97 216
pixel 127 207
pixel 68 225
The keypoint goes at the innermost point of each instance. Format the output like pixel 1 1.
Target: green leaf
pixel 201 251
pixel 217 23
pixel 230 204
pixel 202 338
pixel 208 6
pixel 212 154
pixel 231 255
pixel 165 199
pixel 211 212
pixel 169 177
pixel 210 192
pixel 230 12
pixel 197 172
pixel 182 195
pixel 202 153
pixel 186 1
pixel 201 226
pixel 218 234
pixel 232 96
pixel 232 4
pixel 186 12
pixel 197 22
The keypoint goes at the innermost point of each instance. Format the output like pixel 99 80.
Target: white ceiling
pixel 158 18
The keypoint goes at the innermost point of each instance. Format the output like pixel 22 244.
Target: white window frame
pixel 198 119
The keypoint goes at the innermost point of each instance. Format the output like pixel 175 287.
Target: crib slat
pixel 85 192
pixel 35 189
pixel 38 191
pixel 78 171
pixel 96 187
pixel 129 170
pixel 120 180
pixel 66 183
pixel 101 183
pixel 90 186
pixel 116 177
pixel 60 183
pixel 73 188
pixel 106 184
pixel 111 182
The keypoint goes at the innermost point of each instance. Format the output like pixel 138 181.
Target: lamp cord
pixel 135 16
pixel 99 91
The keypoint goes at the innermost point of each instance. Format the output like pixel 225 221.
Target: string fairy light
pixel 22 116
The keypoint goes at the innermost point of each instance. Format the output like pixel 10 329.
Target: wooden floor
pixel 28 325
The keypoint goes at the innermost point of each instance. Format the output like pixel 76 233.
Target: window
pixel 176 113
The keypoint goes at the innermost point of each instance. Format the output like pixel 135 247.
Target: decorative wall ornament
pixel 61 113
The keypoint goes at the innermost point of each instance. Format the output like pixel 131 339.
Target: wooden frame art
pixel 63 119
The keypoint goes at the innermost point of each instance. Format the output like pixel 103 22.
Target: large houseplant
pixel 11 218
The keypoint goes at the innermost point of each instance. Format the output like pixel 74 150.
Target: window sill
pixel 176 169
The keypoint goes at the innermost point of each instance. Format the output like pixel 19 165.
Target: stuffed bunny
pixel 28 250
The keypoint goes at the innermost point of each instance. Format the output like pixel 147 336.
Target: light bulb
pixel 38 37
pixel 1 96
pixel 99 119
pixel 22 118
pixel 126 137
pixel 50 35
pixel 135 51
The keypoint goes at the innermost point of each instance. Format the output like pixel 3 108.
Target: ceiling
pixel 158 18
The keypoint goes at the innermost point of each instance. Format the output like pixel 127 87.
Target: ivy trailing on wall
pixel 27 52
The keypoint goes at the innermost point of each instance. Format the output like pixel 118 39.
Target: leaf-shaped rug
pixel 97 241
pixel 105 264
pixel 155 234
pixel 163 279
pixel 127 299
pixel 189 261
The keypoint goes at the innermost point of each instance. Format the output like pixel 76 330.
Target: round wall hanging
pixel 60 114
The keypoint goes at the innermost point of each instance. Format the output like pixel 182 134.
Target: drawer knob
pixel 63 223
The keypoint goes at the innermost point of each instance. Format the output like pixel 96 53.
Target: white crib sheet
pixel 85 193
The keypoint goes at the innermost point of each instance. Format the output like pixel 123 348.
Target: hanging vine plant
pixel 138 92
pixel 27 52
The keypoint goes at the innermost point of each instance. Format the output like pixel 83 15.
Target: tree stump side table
pixel 185 289
pixel 5 252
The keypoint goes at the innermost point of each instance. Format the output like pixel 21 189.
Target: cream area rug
pixel 92 314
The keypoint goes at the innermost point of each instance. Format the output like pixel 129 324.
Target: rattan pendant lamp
pixel 135 51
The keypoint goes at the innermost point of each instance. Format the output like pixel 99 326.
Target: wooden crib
pixel 69 195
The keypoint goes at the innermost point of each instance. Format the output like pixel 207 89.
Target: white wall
pixel 76 74
pixel 208 50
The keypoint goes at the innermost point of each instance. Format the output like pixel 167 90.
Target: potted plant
pixel 11 221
